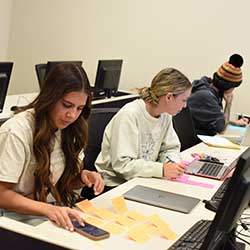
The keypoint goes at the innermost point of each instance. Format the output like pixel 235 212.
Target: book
pixel 218 141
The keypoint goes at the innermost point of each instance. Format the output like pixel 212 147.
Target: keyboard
pixel 193 238
pixel 211 169
pixel 220 191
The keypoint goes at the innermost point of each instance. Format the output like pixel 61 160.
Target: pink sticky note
pixel 185 179
pixel 200 184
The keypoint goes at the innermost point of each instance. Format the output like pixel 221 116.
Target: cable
pixel 247 242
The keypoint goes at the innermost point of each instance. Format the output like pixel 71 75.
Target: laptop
pixel 213 170
pixel 161 198
pixel 246 137
pixel 238 135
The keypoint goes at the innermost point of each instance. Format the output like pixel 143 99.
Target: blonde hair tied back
pixel 167 80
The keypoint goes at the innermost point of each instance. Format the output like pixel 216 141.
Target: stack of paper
pixel 218 141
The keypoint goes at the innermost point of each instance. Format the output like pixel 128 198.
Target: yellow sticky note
pixel 124 220
pixel 163 227
pixel 112 228
pixel 157 221
pixel 86 206
pixel 93 221
pixel 136 216
pixel 150 229
pixel 104 213
pixel 146 228
pixel 138 236
pixel 119 205
pixel 168 233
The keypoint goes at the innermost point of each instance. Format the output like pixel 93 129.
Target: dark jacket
pixel 206 107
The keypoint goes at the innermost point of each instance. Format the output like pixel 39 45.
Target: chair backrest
pixel 184 127
pixel 98 120
pixel 40 72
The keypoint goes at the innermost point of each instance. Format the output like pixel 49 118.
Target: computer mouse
pixel 212 205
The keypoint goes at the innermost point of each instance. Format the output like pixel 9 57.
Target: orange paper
pixel 119 205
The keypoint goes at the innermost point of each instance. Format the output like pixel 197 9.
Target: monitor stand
pixel 231 244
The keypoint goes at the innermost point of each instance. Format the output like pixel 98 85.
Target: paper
pixel 147 228
pixel 112 228
pixel 86 206
pixel 119 205
pixel 136 216
pixel 93 221
pixel 217 141
pixel 185 179
pixel 124 220
pixel 163 227
pixel 138 236
pixel 104 213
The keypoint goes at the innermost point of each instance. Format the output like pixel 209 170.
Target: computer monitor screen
pixel 107 77
pixel 234 201
pixel 5 73
pixel 42 70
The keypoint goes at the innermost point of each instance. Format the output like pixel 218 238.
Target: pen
pixel 169 159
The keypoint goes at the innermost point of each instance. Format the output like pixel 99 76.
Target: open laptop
pixel 238 135
pixel 246 137
pixel 161 198
pixel 213 170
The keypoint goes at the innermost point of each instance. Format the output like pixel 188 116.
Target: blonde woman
pixel 140 139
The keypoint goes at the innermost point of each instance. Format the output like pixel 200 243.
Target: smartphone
pixel 90 231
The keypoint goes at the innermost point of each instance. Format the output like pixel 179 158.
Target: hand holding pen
pixel 172 169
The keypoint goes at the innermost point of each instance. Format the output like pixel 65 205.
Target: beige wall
pixel 5 22
pixel 193 36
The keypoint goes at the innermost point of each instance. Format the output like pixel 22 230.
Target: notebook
pixel 218 141
pixel 161 198
pixel 213 170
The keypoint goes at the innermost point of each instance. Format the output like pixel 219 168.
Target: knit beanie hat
pixel 229 74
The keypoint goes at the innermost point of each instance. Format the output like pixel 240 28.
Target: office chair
pixel 40 72
pixel 184 128
pixel 98 120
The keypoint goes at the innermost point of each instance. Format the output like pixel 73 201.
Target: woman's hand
pixel 173 170
pixel 62 216
pixel 91 178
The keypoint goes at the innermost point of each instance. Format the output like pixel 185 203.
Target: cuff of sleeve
pixel 157 170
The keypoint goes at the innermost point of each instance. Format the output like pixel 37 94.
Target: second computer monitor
pixel 108 77
pixel 42 70
pixel 5 73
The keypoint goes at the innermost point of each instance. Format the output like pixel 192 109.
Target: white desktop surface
pixel 179 222
pixel 48 232
pixel 15 100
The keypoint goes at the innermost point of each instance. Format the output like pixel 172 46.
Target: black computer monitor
pixel 5 73
pixel 107 77
pixel 235 200
pixel 42 70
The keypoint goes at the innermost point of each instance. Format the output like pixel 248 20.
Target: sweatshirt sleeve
pixel 125 150
pixel 170 147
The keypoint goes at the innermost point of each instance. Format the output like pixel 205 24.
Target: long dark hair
pixel 63 78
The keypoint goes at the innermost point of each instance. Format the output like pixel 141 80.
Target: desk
pixel 179 222
pixel 24 99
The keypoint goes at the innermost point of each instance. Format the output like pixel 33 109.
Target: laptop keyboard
pixel 210 169
pixel 193 238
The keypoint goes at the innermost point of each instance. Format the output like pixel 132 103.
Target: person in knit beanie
pixel 211 98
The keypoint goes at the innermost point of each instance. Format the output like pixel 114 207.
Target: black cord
pixel 247 242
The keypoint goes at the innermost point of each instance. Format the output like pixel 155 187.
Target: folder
pixel 218 141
